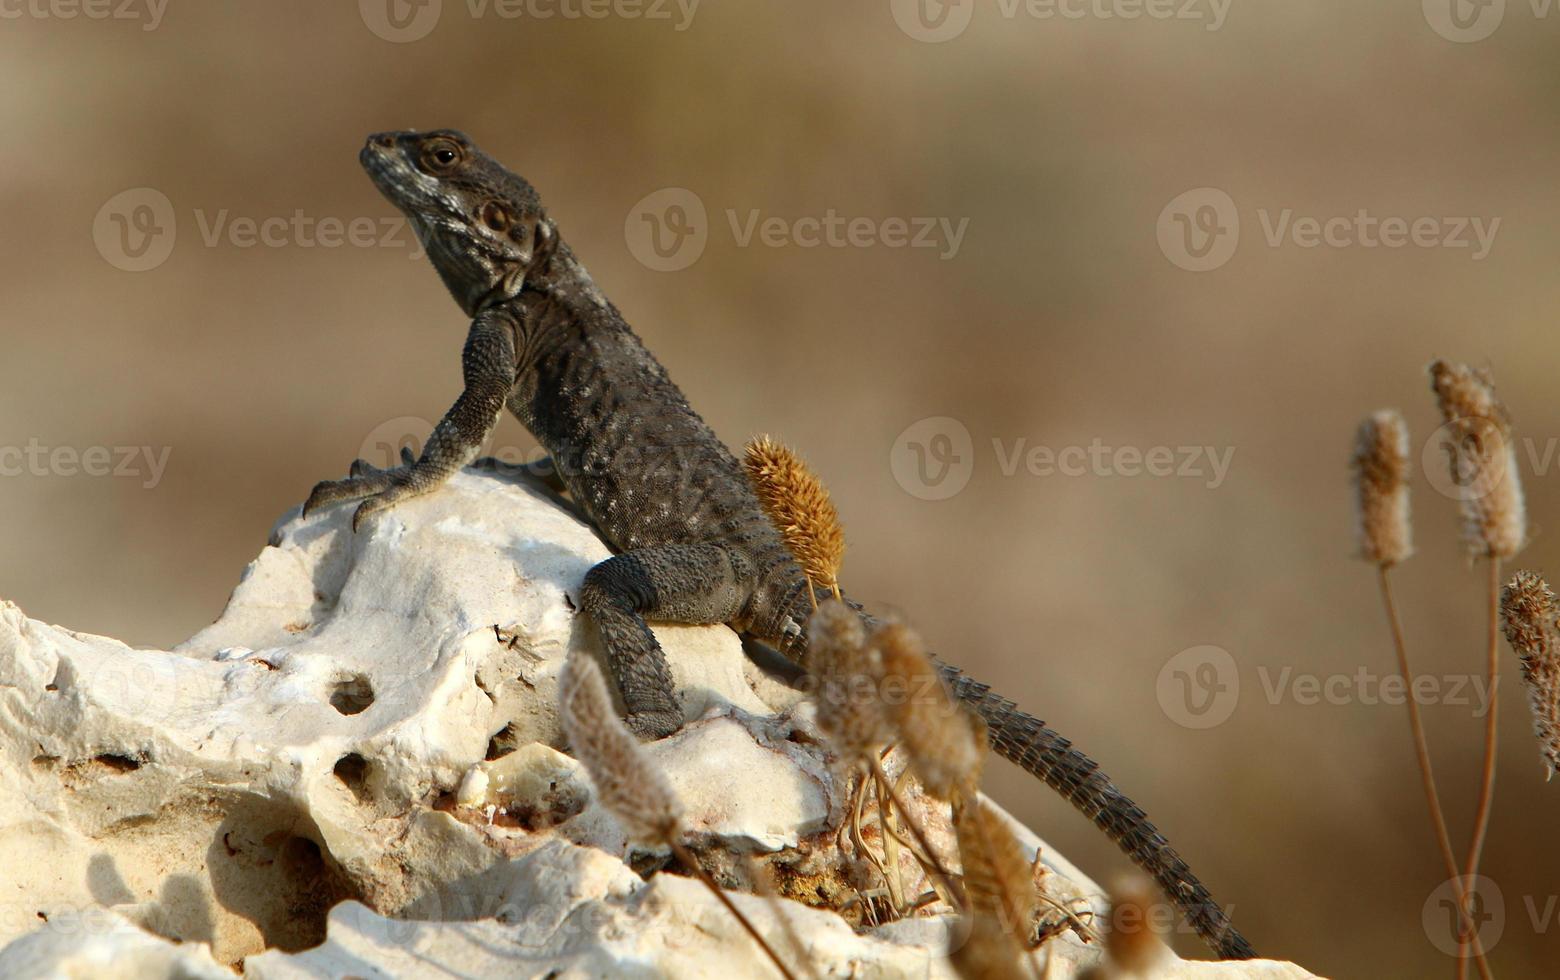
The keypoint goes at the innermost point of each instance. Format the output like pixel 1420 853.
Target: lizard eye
pixel 441 156
pixel 494 216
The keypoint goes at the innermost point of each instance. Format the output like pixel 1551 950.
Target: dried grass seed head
pixel 1482 458
pixel 628 784
pixel 799 506
pixel 1381 468
pixel 847 677
pixel 935 730
pixel 1529 617
pixel 997 873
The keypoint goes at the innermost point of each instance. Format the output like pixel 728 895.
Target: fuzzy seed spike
pixel 799 506
pixel 934 730
pixel 1381 470
pixel 631 788
pixel 1483 460
pixel 1528 614
pixel 848 675
pixel 1000 884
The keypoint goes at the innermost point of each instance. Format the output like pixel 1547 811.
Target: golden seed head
pixel 848 678
pixel 798 504
pixel 997 874
pixel 1483 460
pixel 934 730
pixel 628 784
pixel 1381 470
pixel 1528 616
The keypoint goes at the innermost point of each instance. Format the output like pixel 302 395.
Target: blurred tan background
pixel 1059 320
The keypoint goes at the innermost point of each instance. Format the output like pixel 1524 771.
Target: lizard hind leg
pixel 691 584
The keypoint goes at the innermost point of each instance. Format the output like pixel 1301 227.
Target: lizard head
pixel 483 227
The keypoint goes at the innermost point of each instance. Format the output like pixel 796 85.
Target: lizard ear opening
pixel 536 237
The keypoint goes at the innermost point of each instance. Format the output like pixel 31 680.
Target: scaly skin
pixel 693 545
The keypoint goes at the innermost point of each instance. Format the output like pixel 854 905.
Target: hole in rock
pixel 502 743
pixel 265 865
pixel 352 695
pixel 117 763
pixel 352 770
pixel 300 857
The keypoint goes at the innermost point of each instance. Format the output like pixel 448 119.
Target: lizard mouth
pixel 379 157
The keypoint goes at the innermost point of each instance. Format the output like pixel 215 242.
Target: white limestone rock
pixel 317 759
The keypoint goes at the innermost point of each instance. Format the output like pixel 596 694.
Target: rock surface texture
pixel 356 771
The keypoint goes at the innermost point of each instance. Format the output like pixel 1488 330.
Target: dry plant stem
pixel 1491 719
pixel 885 815
pixel 939 888
pixel 861 843
pixel 1079 926
pixel 1427 776
pixel 688 860
pixel 943 887
pixel 914 824
pixel 1481 817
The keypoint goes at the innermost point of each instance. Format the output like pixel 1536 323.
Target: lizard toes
pixel 396 487
pixel 353 488
pixel 367 509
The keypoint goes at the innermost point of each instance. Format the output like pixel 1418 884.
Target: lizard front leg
pixel 693 584
pixel 488 363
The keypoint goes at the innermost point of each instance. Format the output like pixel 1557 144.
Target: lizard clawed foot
pixel 378 489
pixel 653 725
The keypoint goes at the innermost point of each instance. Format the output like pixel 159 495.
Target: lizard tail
pixel 1025 740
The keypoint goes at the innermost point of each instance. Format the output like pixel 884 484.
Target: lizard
pixel 691 543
